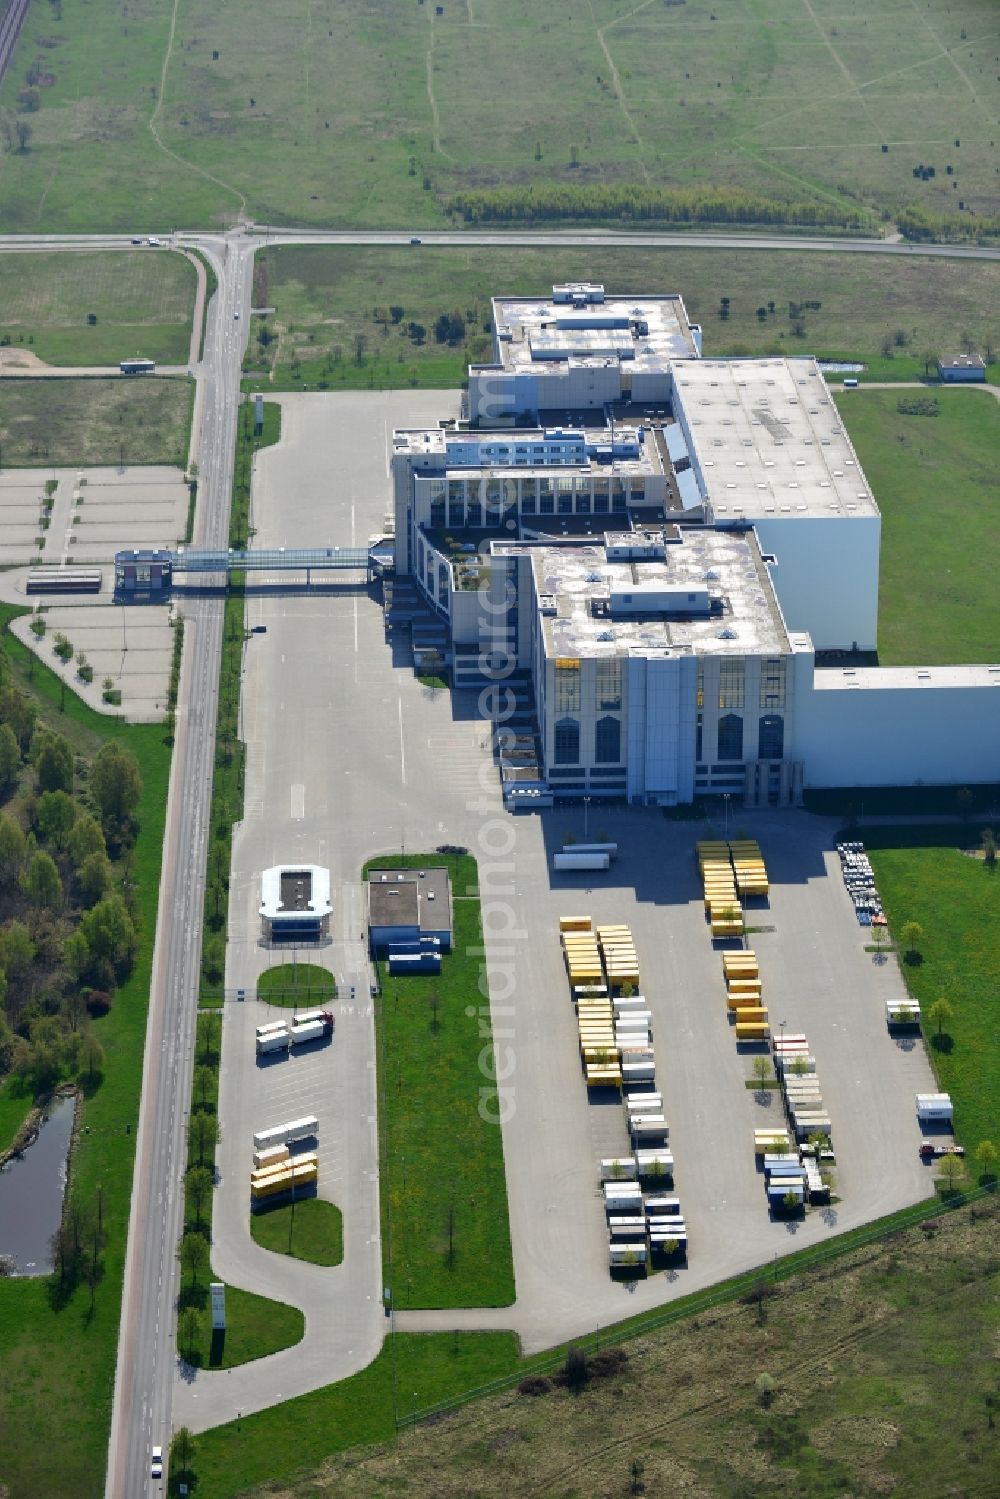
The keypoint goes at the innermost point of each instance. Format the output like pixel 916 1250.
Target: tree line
pixel 680 205
pixel 920 223
pixel 67 934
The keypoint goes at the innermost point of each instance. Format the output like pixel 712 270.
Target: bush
pixel 535 1384
pixel 98 1003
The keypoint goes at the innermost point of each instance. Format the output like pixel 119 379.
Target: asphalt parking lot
pixel 95 512
pixel 816 977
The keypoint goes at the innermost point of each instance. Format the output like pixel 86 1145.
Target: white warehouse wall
pixel 941 727
pixel 826 576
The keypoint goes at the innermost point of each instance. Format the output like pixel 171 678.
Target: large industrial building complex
pixel 680 557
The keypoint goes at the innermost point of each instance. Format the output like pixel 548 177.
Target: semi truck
pixel 622 1197
pixel 656 1165
pixel 279 1035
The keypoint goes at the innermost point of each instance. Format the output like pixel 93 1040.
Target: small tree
pixel 761 1071
pixel 939 1015
pixel 951 1172
pixel 575 1368
pixel 203 1087
pixel 203 1134
pixel 188 1328
pixel 194 1256
pixel 91 1055
pixel 911 935
pixel 989 842
pixel 987 1156
pixel 764 1387
pixel 181 1452
pixel 200 1182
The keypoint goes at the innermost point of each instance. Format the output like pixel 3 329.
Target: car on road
pixel 152 239
pixel 236 315
pixel 415 240
pixel 156 1463
pixel 137 240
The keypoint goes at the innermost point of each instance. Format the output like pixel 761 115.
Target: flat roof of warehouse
pixel 769 440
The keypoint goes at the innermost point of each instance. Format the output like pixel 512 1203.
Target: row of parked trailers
pixel 616 1048
pixel 859 878
pixel 800 1088
pixel 613 1023
pixel 281 1035
pixel 731 873
pixel 744 996
pixel 278 1166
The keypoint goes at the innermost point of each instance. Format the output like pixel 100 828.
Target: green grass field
pixel 445 1235
pixel 297 985
pixel 309 1230
pixel 924 876
pixel 325 297
pixel 143 301
pixel 934 479
pixel 87 422
pixel 374 112
pixel 57 1363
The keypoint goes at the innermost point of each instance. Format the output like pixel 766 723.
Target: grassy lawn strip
pixel 411 1372
pixel 308 1230
pixel 297 986
pixel 923 876
pixel 443 1190
pixel 934 479
pixel 87 422
pixel 142 302
pixel 58 1361
pixel 326 297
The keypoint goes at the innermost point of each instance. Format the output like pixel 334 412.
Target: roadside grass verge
pixel 142 301
pixel 247 444
pixel 297 986
pixel 443 1190
pixel 312 1230
pixel 412 1371
pixel 84 423
pixel 934 480
pixel 326 297
pixel 923 876
pixel 58 1356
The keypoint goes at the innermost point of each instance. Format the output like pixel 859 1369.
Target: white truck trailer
pixel 287 1134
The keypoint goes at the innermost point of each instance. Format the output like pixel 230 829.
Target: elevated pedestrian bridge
pixel 152 572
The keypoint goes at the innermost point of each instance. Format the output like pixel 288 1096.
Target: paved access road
pixel 146 1354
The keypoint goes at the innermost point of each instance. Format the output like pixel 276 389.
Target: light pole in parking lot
pixel 586 817
pixel 725 798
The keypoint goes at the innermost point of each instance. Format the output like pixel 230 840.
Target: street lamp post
pixel 586 818
pixel 725 798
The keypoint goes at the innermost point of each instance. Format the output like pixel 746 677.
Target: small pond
pixel 31 1192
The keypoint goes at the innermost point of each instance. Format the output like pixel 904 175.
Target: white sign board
pixel 218 1306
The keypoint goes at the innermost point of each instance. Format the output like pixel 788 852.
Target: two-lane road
pixel 147 1349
